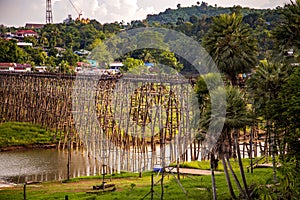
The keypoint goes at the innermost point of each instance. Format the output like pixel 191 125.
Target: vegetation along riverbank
pixel 20 135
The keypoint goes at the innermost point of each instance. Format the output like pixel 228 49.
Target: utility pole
pixel 49 17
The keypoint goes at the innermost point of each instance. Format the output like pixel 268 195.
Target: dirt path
pixel 198 172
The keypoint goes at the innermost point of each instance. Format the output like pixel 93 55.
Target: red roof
pixel 26 32
pixel 83 64
pixel 8 64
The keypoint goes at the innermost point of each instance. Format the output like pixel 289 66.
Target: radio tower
pixel 49 19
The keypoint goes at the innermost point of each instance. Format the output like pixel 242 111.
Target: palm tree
pixel 203 100
pixel 231 45
pixel 287 34
pixel 264 87
pixel 236 118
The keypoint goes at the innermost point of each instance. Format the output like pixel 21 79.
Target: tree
pixel 69 57
pixel 287 34
pixel 264 87
pixel 236 117
pixel 10 52
pixel 231 45
pixel 101 54
pixel 290 96
pixel 131 63
pixel 203 97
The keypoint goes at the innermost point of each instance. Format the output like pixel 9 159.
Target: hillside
pixel 207 11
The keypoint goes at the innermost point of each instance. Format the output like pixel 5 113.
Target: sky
pixel 19 12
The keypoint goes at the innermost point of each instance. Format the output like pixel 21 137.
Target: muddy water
pixel 44 165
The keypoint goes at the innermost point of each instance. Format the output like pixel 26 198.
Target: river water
pixel 47 165
pixel 44 165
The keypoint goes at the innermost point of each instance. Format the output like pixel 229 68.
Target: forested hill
pixel 203 10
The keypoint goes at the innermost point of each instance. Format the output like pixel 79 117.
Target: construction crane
pixel 78 12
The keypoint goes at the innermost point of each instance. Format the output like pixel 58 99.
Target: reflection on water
pixel 44 165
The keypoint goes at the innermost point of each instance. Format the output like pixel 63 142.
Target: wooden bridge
pixel 127 123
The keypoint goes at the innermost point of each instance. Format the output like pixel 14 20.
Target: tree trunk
pixel 235 177
pixel 240 163
pixel 251 148
pixel 273 148
pixel 213 180
pixel 228 179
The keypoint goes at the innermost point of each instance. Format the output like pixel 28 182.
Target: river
pixel 47 165
pixel 44 165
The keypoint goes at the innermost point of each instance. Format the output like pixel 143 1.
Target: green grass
pixel 197 187
pixel 20 134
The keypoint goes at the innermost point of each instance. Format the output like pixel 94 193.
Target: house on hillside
pixel 22 68
pixel 5 67
pixel 26 33
pixel 116 65
pixel 23 44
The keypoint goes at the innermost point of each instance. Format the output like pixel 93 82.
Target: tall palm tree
pixel 288 32
pixel 236 118
pixel 231 45
pixel 264 87
pixel 204 100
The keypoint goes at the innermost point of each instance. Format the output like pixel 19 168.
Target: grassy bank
pixel 130 186
pixel 23 134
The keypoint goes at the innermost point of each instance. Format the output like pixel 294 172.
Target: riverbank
pixel 130 186
pixel 28 147
pixel 22 136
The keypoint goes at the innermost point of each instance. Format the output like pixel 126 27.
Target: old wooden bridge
pixel 127 123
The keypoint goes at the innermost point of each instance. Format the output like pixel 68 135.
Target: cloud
pixel 19 12
pixel 102 10
pixel 275 3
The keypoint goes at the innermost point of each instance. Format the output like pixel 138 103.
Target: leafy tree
pixel 64 67
pixel 10 52
pixel 131 63
pixel 101 54
pixel 290 103
pixel 111 27
pixel 69 57
pixel 264 87
pixel 32 40
pixel 231 45
pixel 37 55
pixel 287 34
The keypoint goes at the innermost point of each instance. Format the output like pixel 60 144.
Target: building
pixel 7 67
pixel 68 20
pixel 93 63
pixel 22 44
pixel 26 33
pixel 116 65
pixel 22 68
pixel 15 67
pixel 34 26
pixel 41 69
pixel 82 52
